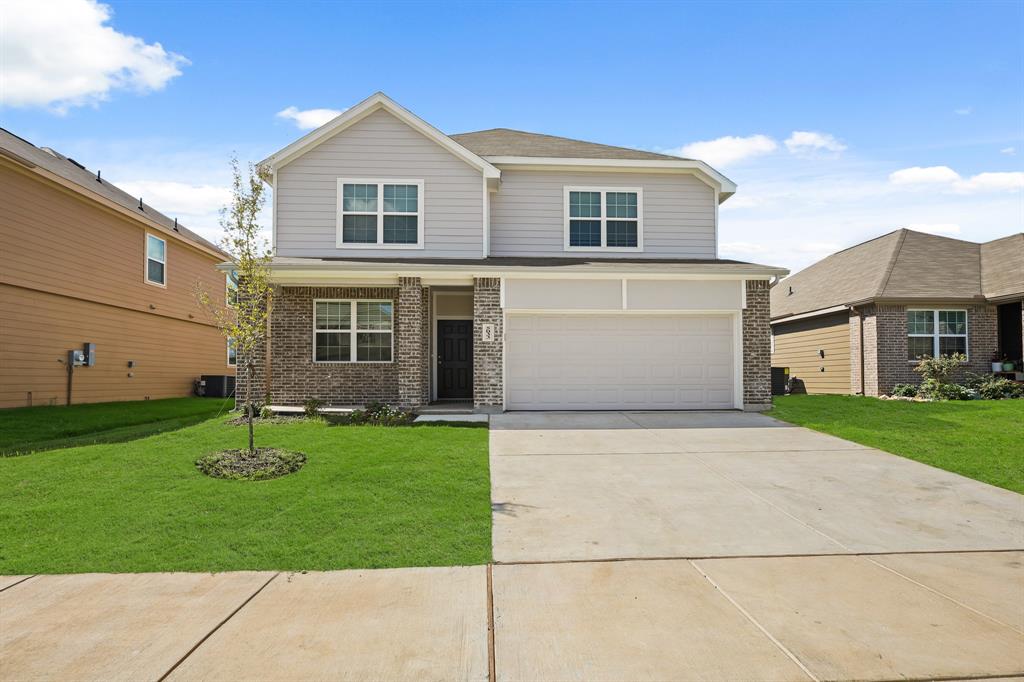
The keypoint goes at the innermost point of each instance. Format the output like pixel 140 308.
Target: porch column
pixel 488 360
pixel 411 343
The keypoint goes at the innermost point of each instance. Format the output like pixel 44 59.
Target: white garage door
pixel 613 362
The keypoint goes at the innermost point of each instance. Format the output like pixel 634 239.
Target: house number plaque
pixel 487 331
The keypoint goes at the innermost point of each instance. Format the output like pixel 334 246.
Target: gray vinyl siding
pixel 379 146
pixel 527 220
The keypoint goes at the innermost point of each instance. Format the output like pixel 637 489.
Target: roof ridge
pixel 892 261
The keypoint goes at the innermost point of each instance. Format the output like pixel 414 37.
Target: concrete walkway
pixel 629 547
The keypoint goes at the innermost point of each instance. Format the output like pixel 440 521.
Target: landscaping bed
pixel 366 497
pixel 980 439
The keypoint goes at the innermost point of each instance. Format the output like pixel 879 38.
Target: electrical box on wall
pixel 89 350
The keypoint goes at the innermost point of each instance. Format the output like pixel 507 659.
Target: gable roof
pixel 353 115
pixel 508 142
pixel 903 264
pixel 1002 266
pixel 92 185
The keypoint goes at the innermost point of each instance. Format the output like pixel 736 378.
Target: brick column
pixel 870 355
pixel 410 342
pixel 757 362
pixel 488 390
pixel 258 358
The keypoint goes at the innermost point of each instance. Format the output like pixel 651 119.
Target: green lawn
pixel 982 439
pixel 27 429
pixel 367 497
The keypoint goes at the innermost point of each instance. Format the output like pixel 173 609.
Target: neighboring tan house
pixel 82 262
pixel 857 321
pixel 509 270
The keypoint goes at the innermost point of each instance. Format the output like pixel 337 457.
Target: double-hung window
pixel 598 219
pixel 232 353
pixel 156 260
pixel 380 214
pixel 935 333
pixel 353 331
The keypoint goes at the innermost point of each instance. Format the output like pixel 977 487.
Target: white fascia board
pixel 354 114
pixel 726 187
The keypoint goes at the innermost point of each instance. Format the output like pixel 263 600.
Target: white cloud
pixel 924 176
pixel 946 229
pixel 963 111
pixel 178 199
pixel 308 119
pixel 730 249
pixel 61 53
pixel 1009 151
pixel 809 142
pixel 728 150
pixel 946 176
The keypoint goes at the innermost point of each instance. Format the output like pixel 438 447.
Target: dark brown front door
pixel 454 359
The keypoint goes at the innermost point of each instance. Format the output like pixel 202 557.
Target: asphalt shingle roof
pixel 508 142
pixel 902 265
pixel 73 171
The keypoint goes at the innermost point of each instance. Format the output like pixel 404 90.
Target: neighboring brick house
pixel 504 270
pixel 859 320
pixel 83 262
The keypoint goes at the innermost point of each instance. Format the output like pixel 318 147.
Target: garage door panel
pixel 619 362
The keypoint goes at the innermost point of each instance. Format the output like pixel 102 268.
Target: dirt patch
pixel 242 465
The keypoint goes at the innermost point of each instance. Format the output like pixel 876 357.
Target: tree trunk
pixel 248 405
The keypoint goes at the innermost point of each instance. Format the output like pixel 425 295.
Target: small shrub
pixel 934 390
pixel 266 412
pixel 999 388
pixel 312 407
pixel 380 414
pixel 940 369
pixel 905 390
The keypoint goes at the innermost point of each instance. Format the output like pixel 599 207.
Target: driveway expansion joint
pixel 25 579
pixel 218 626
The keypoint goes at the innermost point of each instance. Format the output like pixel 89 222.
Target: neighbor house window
pixel 380 214
pixel 156 260
pixel 353 331
pixel 231 288
pixel 232 353
pixel 603 219
pixel 935 333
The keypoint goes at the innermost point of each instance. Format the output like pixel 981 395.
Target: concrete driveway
pixel 629 547
pixel 617 485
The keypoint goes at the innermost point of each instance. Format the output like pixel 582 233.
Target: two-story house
pixel 515 270
pixel 87 267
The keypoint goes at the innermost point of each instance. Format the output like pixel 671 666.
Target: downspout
pixel 860 318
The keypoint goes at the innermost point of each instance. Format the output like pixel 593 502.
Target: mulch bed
pixel 242 465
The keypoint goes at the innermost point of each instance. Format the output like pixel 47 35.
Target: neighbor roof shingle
pixel 71 170
pixel 508 142
pixel 901 265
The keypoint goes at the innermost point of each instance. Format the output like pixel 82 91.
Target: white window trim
pixel 145 262
pixel 340 215
pixel 935 335
pixel 604 219
pixel 354 330
pixel 228 353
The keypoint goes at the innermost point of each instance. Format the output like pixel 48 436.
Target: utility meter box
pixel 89 350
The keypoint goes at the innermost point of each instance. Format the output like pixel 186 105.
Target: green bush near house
pixel 366 497
pixel 980 439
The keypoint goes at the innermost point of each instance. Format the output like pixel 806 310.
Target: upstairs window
pixel 232 353
pixel 603 219
pixel 380 214
pixel 231 288
pixel 935 333
pixel 156 260
pixel 352 331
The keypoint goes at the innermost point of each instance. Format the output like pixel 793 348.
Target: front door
pixel 454 359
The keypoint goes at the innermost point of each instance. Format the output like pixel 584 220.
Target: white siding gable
pixel 380 146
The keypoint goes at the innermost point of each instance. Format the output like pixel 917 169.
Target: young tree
pixel 243 318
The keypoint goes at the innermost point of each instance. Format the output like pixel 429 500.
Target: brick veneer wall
pixel 411 342
pixel 757 377
pixel 488 390
pixel 885 345
pixel 294 376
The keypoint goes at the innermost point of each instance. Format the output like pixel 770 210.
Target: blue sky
pixel 838 121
